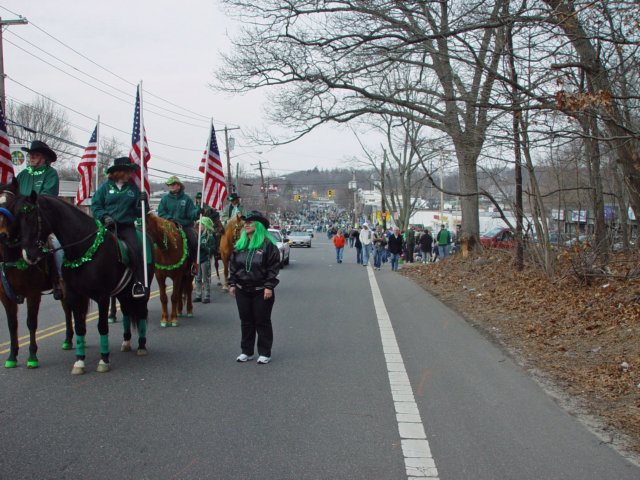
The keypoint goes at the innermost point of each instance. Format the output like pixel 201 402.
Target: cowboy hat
pixel 255 216
pixel 43 148
pixel 122 163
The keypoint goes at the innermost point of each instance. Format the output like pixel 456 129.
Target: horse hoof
pixel 10 364
pixel 33 363
pixel 103 367
pixel 225 288
pixel 111 320
pixel 78 368
pixel 126 346
pixel 174 324
pixel 163 324
pixel 142 352
pixel 189 315
pixel 219 283
pixel 66 345
pixel 180 315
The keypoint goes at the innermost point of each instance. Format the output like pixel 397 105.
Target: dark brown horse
pixel 19 282
pixel 229 238
pixel 170 254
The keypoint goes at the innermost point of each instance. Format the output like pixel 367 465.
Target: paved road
pixel 362 385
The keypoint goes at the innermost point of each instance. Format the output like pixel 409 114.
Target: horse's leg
pixel 217 265
pixel 176 298
pixel 80 325
pixel 225 264
pixel 68 320
pixel 11 309
pixel 103 330
pixel 142 312
pixel 33 306
pixel 163 299
pixel 126 334
pixel 112 310
pixel 188 293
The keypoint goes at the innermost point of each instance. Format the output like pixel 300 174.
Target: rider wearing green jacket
pixel 39 176
pixel 178 207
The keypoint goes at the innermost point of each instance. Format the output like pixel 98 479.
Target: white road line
pixel 418 460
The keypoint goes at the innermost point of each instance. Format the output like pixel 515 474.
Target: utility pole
pixel 265 191
pixel 3 23
pixel 232 186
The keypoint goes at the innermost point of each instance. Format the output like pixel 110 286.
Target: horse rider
pixel 178 207
pixel 207 211
pixel 42 178
pixel 234 208
pixel 116 204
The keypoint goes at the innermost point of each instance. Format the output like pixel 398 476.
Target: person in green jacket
pixel 178 207
pixel 39 176
pixel 234 208
pixel 42 178
pixel 116 204
pixel 208 246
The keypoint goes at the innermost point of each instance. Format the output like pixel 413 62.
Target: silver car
pixel 283 246
pixel 300 239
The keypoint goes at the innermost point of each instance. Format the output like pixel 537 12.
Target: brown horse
pixel 22 281
pixel 229 238
pixel 170 254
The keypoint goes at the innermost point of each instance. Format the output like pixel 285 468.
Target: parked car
pixel 283 246
pixel 300 239
pixel 498 237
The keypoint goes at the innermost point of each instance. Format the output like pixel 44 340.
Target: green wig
pixel 257 240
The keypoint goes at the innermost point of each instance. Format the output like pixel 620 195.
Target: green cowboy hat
pixel 233 196
pixel 40 147
pixel 207 222
pixel 121 164
pixel 172 179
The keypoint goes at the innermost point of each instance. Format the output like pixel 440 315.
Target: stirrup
pixel 138 290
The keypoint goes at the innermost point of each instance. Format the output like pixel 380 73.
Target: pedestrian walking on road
pixel 425 242
pixel 444 239
pixel 366 238
pixel 379 244
pixel 358 244
pixel 395 244
pixel 338 242
pixel 253 272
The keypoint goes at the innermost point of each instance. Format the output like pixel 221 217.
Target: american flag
pixel 215 188
pixel 86 166
pixel 134 154
pixel 6 165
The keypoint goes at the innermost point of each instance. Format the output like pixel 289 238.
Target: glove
pixel 143 197
pixel 108 221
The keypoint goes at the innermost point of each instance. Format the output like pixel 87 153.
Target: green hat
pixel 207 222
pixel 172 179
pixel 122 163
pixel 198 195
pixel 233 196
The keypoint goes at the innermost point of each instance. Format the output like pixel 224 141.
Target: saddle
pixel 123 249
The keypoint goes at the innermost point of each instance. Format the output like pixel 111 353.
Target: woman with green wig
pixel 253 272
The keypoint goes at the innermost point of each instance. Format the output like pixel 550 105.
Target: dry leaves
pixel 579 335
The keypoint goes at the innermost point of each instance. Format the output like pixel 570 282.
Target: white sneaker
pixel 244 358
pixel 263 360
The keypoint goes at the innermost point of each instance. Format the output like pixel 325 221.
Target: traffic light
pixel 331 192
pixel 297 197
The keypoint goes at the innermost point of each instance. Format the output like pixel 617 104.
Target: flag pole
pixel 143 189
pixel 206 160
pixel 95 186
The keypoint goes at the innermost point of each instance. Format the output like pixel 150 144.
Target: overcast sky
pixel 173 47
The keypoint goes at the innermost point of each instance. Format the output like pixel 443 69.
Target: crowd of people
pixel 392 245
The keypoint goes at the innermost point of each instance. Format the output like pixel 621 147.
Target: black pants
pixel 127 233
pixel 255 318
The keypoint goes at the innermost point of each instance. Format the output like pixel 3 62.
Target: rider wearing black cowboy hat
pixel 116 204
pixel 234 208
pixel 39 176
pixel 42 178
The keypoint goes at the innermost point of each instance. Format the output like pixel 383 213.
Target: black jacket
pixel 395 244
pixel 263 270
pixel 426 240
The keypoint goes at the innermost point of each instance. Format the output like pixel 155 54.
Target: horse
pixel 21 281
pixel 229 237
pixel 91 269
pixel 170 252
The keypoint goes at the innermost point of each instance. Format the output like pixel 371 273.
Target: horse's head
pixel 8 196
pixel 34 230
